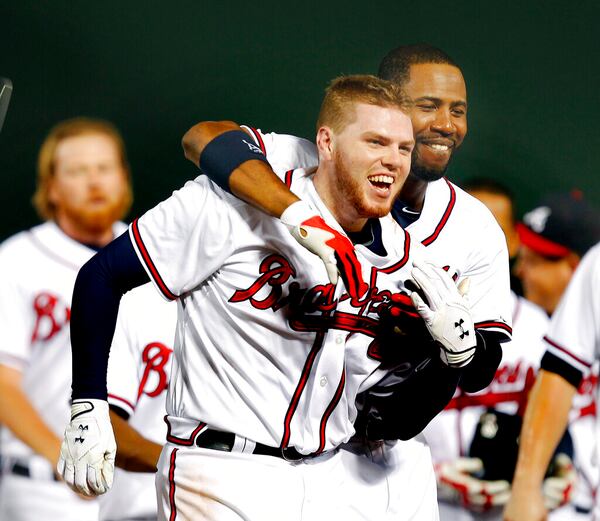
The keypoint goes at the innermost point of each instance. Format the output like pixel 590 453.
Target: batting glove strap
pixel 334 248
pixel 457 484
pixel 87 453
pixel 446 312
pixel 558 489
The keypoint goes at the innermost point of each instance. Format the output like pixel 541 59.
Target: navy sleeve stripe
pixel 502 331
pixel 438 229
pixel 494 324
pixel 123 401
pixel 150 265
pixel 567 352
pixel 259 140
pixel 288 178
pixel 553 364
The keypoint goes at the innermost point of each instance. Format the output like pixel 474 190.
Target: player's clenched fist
pixel 87 453
pixel 334 248
pixel 446 313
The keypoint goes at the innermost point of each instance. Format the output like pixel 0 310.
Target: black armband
pixel 225 153
pixel 554 364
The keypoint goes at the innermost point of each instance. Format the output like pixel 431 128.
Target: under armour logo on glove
pixel 463 332
pixel 446 314
pixel 334 248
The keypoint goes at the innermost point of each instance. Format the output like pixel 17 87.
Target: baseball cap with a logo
pixel 561 224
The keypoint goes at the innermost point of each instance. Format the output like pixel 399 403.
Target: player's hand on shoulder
pixel 457 483
pixel 87 453
pixel 559 486
pixel 334 248
pixel 445 309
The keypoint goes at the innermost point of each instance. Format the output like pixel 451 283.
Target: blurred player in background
pixel 554 237
pixel 82 191
pixel 138 375
pixel 485 425
pixel 573 348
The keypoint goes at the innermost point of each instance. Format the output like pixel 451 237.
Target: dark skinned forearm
pixel 253 181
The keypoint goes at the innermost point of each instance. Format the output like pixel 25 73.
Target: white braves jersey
pixel 458 231
pixel 574 336
pixel 262 336
pixel 37 273
pixel 138 375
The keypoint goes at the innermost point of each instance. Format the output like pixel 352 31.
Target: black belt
pixel 224 441
pixel 22 469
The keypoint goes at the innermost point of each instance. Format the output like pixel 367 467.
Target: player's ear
pixel 573 260
pixel 325 142
pixel 52 193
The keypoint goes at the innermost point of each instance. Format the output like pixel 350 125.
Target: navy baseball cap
pixel 559 225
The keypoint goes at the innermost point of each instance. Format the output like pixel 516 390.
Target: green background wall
pixel 155 68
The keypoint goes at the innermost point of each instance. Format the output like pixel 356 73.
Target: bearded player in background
pixel 82 191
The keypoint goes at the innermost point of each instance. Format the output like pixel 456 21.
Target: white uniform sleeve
pixel 123 379
pixel 285 152
pixel 574 334
pixel 186 238
pixel 489 293
pixel 17 317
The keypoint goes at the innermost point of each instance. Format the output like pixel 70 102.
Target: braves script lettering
pixel 311 309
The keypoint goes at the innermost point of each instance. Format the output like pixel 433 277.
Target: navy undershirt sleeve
pixel 100 284
pixel 481 370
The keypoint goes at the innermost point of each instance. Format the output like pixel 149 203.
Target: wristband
pixel 227 152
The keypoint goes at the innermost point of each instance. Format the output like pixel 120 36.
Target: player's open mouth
pixel 381 182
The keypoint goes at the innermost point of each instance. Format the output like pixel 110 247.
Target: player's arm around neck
pixel 252 181
pixel 18 414
pixel 545 421
pixel 229 158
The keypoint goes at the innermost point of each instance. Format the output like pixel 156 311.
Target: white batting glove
pixel 447 314
pixel 334 248
pixel 87 453
pixel 559 488
pixel 456 484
